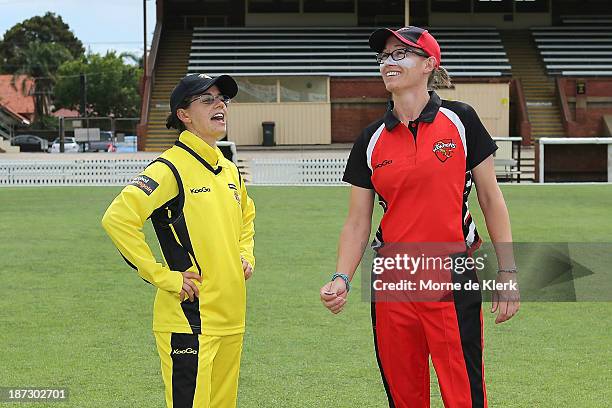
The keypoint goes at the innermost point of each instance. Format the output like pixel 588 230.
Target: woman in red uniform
pixel 421 159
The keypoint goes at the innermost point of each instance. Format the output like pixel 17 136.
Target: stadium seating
pixel 582 46
pixel 596 19
pixel 334 51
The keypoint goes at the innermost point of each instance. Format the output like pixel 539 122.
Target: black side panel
pixel 174 206
pixel 192 313
pixel 380 367
pixel 191 309
pixel 180 227
pixel 184 353
pixel 164 219
pixel 176 256
pixel 468 305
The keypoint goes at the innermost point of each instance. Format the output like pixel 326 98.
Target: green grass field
pixel 74 315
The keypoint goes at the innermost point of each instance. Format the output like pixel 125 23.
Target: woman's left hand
pixel 246 268
pixel 508 300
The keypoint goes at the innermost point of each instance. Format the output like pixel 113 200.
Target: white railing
pixel 299 171
pixel 111 172
pixel 116 171
pixel 108 171
pixel 76 172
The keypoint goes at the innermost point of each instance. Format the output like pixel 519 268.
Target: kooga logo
pixel 200 190
pixel 188 350
pixel 383 163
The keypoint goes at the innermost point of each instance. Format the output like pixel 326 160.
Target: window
pixel 253 89
pixel 290 89
pixel 451 6
pixel 329 6
pixel 531 6
pixel 274 6
pixel 303 89
pixel 493 6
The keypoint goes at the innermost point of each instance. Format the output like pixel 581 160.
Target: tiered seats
pixel 334 51
pixel 571 50
pixel 596 19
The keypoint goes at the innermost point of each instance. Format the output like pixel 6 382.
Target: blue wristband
pixel 345 278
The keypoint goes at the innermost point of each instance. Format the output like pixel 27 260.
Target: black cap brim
pixel 226 84
pixel 378 39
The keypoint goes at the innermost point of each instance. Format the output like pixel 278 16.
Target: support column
pixel 406 13
pixel 610 163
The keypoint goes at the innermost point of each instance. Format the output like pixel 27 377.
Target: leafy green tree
pixel 41 61
pixel 136 59
pixel 36 47
pixel 112 85
pixel 47 29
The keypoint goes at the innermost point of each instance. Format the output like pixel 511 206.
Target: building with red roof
pixel 16 103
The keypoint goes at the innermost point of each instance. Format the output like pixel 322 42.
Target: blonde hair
pixel 439 78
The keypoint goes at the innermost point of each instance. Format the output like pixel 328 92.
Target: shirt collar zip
pixel 428 114
pixel 202 151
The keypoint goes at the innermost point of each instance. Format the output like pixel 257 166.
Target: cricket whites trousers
pixel 198 370
pixel 450 331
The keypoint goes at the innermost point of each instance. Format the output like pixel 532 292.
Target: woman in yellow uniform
pixel 203 219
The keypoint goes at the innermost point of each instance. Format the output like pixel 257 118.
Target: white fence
pixel 107 171
pixel 76 172
pixel 112 172
pixel 297 171
pixel 119 171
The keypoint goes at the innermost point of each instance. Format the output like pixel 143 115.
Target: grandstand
pixel 333 51
pixel 531 68
pixel 576 50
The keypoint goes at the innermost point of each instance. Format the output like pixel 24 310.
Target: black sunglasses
pixel 399 54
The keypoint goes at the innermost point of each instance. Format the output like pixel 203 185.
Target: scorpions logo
pixel 444 149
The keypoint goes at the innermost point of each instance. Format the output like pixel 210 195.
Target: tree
pixel 112 85
pixel 136 59
pixel 36 47
pixel 47 29
pixel 41 61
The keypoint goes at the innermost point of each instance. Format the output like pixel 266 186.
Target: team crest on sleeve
pixel 145 183
pixel 444 149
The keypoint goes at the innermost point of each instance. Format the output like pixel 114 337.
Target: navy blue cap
pixel 197 84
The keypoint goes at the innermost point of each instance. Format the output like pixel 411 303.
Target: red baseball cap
pixel 413 36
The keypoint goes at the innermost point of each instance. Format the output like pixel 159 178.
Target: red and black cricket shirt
pixel 422 172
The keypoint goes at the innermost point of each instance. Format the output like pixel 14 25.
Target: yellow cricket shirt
pixel 203 219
